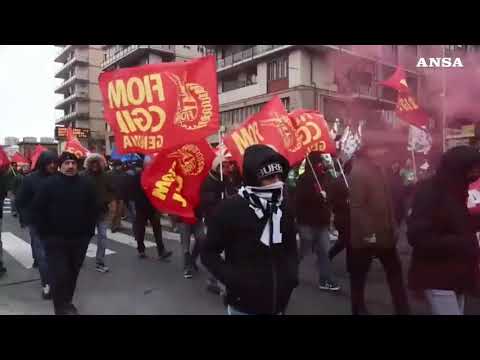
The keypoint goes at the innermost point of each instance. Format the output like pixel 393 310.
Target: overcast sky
pixel 27 84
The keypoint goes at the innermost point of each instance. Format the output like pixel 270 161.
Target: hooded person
pixel 257 234
pixel 313 211
pixel 373 228
pixel 65 211
pixel 95 170
pixel 445 258
pixel 32 184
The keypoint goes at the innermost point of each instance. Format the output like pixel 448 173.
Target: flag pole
pixel 414 165
pixel 314 173
pixel 343 173
pixel 220 139
pixel 444 115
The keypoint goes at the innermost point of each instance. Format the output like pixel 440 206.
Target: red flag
pixel 158 107
pixel 172 182
pixel 270 126
pixel 39 149
pixel 19 159
pixel 397 81
pixel 312 130
pixel 75 147
pixel 408 110
pixel 4 162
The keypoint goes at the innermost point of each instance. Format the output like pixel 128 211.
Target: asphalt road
pixel 150 287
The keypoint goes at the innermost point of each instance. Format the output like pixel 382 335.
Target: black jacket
pixel 142 203
pixel 65 207
pixel 440 229
pixel 259 279
pixel 120 183
pixel 31 185
pixel 311 208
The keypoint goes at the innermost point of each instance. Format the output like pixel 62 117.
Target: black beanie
pixel 66 156
pixel 270 168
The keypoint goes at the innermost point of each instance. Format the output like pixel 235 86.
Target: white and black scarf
pixel 265 202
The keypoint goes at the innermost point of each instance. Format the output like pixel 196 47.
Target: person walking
pixel 65 212
pixel 46 166
pixel 313 211
pixel 258 236
pixel 144 212
pixel 4 183
pixel 373 226
pixel 119 180
pixel 187 228
pixel 95 165
pixel 445 258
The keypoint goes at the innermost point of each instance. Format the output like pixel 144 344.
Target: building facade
pixel 26 147
pixel 82 100
pixel 121 56
pixel 11 141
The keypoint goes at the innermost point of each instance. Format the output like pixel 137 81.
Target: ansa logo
pixel 439 62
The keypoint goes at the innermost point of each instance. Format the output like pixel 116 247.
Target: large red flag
pixel 4 162
pixel 39 149
pixel 408 110
pixel 158 107
pixel 19 159
pixel 312 130
pixel 172 182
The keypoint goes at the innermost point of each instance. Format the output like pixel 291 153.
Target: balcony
pixel 247 55
pixel 76 115
pixel 82 96
pixel 134 52
pixel 237 84
pixel 77 59
pixel 66 84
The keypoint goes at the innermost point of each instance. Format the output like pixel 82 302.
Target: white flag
pixel 419 140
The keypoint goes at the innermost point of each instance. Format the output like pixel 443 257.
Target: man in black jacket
pixel 65 211
pixel 46 166
pixel 257 234
pixel 313 210
pixel 144 212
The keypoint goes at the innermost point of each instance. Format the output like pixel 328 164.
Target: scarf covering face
pixel 265 202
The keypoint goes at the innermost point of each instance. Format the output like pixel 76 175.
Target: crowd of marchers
pixel 256 224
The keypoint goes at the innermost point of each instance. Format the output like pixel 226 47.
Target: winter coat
pixel 259 279
pixel 142 203
pixel 338 196
pixel 120 184
pixel 103 186
pixel 371 206
pixel 65 208
pixel 16 183
pixel 440 229
pixel 311 207
pixel 31 185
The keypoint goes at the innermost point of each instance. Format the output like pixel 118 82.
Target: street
pixel 151 287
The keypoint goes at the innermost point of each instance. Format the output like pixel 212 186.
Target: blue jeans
pixel 38 248
pixel 317 240
pixel 102 227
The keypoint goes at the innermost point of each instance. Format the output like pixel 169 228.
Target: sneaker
pixel 46 292
pixel 102 268
pixel 187 273
pixel 328 285
pixel 141 255
pixel 165 255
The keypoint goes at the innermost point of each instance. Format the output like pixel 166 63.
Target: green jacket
pixel 371 206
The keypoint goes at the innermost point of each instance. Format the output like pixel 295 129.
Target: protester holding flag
pixel 313 211
pixel 144 212
pixel 65 212
pixel 32 185
pixel 373 227
pixel 257 234
pixel 445 259
pixel 95 165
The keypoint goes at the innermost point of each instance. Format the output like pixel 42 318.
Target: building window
pixel 277 69
pixel 286 103
pixel 186 46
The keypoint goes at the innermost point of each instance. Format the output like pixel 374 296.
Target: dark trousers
pixel 64 260
pixel 38 250
pixel 360 261
pixel 139 225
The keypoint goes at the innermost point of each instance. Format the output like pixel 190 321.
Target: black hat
pixel 270 168
pixel 66 156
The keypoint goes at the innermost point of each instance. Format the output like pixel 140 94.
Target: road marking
pixel 127 239
pixel 166 234
pixel 92 251
pixel 19 249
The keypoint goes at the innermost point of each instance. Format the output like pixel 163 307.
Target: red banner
pixel 172 182
pixel 408 110
pixel 39 149
pixel 160 106
pixel 293 135
pixel 313 133
pixel 397 81
pixel 74 146
pixel 4 162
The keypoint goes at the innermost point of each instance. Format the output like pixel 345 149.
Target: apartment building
pixel 82 100
pixel 121 56
pixel 338 80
